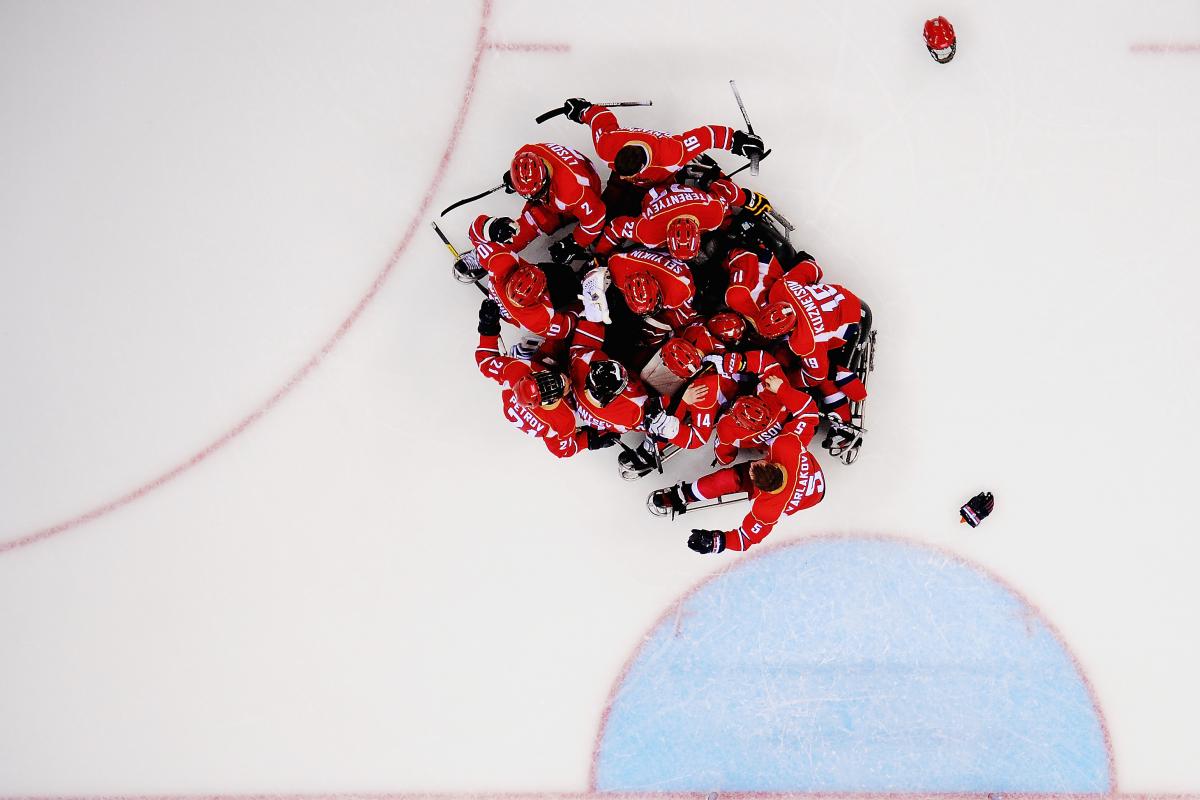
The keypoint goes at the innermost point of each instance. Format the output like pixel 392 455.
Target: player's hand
pixel 597 440
pixel 566 250
pixel 508 184
pixel 574 108
pixel 747 144
pixel 773 382
pixel 665 426
pixel 756 204
pixel 489 318
pixel 704 542
pixel 500 229
pixel 696 393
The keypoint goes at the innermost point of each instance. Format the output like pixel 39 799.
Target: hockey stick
pixel 470 199
pixel 754 157
pixel 554 112
pixel 705 368
pixel 746 166
pixel 478 285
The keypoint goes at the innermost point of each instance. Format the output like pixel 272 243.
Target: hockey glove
pixel 705 542
pixel 665 426
pixel 597 440
pixel 489 318
pixel 977 508
pixel 756 204
pixel 566 250
pixel 574 108
pixel 745 144
pixel 595 301
pixel 500 229
pixel 508 184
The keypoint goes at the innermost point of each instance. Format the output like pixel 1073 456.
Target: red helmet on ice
pixel 529 175
pixel 642 292
pixel 683 238
pixel 681 357
pixel 751 414
pixel 940 39
pixel 540 389
pixel 776 320
pixel 526 285
pixel 727 327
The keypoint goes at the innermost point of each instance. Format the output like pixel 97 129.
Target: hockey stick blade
pixel 470 199
pixel 554 112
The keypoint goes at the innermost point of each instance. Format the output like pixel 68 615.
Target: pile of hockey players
pixel 677 310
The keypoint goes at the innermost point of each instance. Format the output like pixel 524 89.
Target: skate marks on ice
pixel 845 664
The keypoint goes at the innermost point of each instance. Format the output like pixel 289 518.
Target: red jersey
pixel 696 420
pixel 541 318
pixel 698 334
pixel 792 410
pixel 666 153
pixel 664 205
pixel 574 194
pixel 823 310
pixel 803 487
pixel 624 413
pixel 673 276
pixel 553 424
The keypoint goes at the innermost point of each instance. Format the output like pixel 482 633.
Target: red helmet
pixel 681 357
pixel 526 285
pixel 727 327
pixel 540 389
pixel 939 38
pixel 776 320
pixel 683 238
pixel 751 414
pixel 529 175
pixel 642 292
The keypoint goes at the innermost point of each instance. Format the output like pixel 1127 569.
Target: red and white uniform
pixel 574 194
pixel 824 314
pixel 752 274
pixel 554 424
pixel 624 413
pixel 709 345
pixel 541 318
pixel 803 487
pixel 673 277
pixel 696 420
pixel 791 409
pixel 667 153
pixel 664 205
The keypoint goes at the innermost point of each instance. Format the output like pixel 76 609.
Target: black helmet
pixel 606 379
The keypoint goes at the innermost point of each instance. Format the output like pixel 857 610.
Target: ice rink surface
pixel 264 530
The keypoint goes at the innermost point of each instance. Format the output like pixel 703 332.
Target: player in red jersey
pixel 519 287
pixel 675 216
pixel 714 336
pixel 647 158
pixel 654 283
pixel 607 397
pixel 534 398
pixel 788 480
pixel 559 184
pixel 752 273
pixel 753 421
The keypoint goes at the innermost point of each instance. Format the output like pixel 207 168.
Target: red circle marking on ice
pixel 482 45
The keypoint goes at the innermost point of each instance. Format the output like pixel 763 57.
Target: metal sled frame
pixel 700 505
pixel 636 475
pixel 862 363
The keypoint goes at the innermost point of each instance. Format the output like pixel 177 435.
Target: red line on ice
pixel 481 46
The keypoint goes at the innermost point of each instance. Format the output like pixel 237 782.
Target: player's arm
pixel 706 137
pixel 603 123
pixel 618 230
pixel 590 212
pixel 743 279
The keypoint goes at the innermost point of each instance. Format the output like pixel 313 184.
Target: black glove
pixel 507 181
pixel 744 144
pixel 756 203
pixel 566 250
pixel 705 542
pixel 977 508
pixel 597 440
pixel 500 229
pixel 575 107
pixel 489 318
